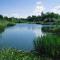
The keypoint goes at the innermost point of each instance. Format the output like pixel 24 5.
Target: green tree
pixel 1 17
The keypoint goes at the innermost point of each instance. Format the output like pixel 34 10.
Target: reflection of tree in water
pixel 33 27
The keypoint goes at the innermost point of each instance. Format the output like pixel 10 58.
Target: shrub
pixel 2 28
pixel 13 54
pixel 10 24
pixel 51 29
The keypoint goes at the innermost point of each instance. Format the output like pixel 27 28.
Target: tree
pixel 29 18
pixel 1 17
pixel 6 18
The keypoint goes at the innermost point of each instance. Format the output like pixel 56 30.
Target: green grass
pixel 4 24
pixel 48 46
pixel 13 54
pixel 52 29
pixel 10 24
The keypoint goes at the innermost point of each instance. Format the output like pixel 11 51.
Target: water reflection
pixel 20 36
pixel 38 33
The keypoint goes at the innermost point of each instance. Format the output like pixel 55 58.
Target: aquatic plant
pixel 52 29
pixel 13 54
pixel 48 45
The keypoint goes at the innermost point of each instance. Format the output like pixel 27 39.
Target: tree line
pixel 43 18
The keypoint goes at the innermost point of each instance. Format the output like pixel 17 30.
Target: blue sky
pixel 24 8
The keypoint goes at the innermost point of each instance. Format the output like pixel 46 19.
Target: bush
pixel 2 28
pixel 51 29
pixel 48 46
pixel 13 54
pixel 10 24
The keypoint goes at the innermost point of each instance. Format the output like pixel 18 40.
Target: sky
pixel 24 8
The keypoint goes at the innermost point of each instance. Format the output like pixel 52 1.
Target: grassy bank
pixel 4 24
pixel 13 54
pixel 51 29
pixel 48 46
pixel 45 48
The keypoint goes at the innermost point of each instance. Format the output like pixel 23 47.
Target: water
pixel 20 36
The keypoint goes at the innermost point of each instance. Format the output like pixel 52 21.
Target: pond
pixel 20 36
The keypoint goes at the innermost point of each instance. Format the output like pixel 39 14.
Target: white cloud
pixel 38 9
pixel 56 9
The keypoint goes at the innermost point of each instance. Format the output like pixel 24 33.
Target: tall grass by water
pixel 51 29
pixel 48 46
pixel 13 54
pixel 45 48
pixel 4 24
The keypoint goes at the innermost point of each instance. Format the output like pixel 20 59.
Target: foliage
pixel 13 54
pixel 10 24
pixel 48 45
pixel 2 27
pixel 4 24
pixel 52 29
pixel 44 18
pixel 1 17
